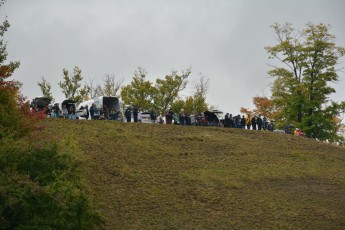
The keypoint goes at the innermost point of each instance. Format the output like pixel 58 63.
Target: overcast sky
pixel 223 40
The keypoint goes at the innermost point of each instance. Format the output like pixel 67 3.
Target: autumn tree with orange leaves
pixel 263 105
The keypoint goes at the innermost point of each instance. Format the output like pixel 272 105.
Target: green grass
pixel 144 176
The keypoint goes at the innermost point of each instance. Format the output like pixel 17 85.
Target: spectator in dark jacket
pixel 169 116
pixel 243 122
pixel 259 122
pixel 128 114
pixel 153 116
pixel 135 114
pixel 254 122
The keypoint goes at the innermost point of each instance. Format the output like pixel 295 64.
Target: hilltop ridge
pixel 180 177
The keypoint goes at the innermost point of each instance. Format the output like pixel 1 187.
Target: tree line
pixel 306 64
pixel 140 92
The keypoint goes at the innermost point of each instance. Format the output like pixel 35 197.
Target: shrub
pixel 40 188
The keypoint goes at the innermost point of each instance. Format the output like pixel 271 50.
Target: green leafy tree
pixel 168 89
pixel 187 105
pixel 197 102
pixel 301 89
pixel 46 89
pixel 139 92
pixel 40 187
pixel 71 86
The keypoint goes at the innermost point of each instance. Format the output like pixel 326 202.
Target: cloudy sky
pixel 223 40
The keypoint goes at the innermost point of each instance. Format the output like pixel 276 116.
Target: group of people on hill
pixel 102 113
pixel 200 119
pixel 170 117
pixel 250 122
pixel 66 112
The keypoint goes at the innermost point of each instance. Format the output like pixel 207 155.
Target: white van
pixel 68 104
pixel 112 104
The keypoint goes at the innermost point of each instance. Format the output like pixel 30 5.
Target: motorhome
pixel 112 104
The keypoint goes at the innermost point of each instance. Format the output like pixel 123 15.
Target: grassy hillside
pixel 144 176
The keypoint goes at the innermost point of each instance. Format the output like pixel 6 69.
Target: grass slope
pixel 145 176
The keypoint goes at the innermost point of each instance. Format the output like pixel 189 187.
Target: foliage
pixel 46 89
pixel 168 89
pixel 246 111
pixel 199 96
pixel 263 106
pixel 40 188
pixel 110 87
pixel 165 93
pixel 139 92
pixel 301 90
pixel 15 117
pixel 71 86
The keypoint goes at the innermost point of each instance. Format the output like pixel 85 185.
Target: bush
pixel 40 188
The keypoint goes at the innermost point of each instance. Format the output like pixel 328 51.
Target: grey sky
pixel 222 39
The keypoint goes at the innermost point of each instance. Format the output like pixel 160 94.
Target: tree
pixel 71 86
pixel 139 92
pixel 264 106
pixel 40 184
pixel 301 88
pixel 168 89
pixel 11 121
pixel 110 87
pixel 92 91
pixel 199 96
pixel 45 88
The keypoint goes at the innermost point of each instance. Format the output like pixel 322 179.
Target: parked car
pixel 146 118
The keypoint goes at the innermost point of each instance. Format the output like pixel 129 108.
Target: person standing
pixel 128 114
pixel 264 123
pixel 259 122
pixel 253 121
pixel 139 116
pixel 169 116
pixel 135 113
pixel 160 118
pixel 153 116
pixel 92 111
pixel 243 122
pixel 182 117
pixel 248 121
pixel 232 121
pixel 227 120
